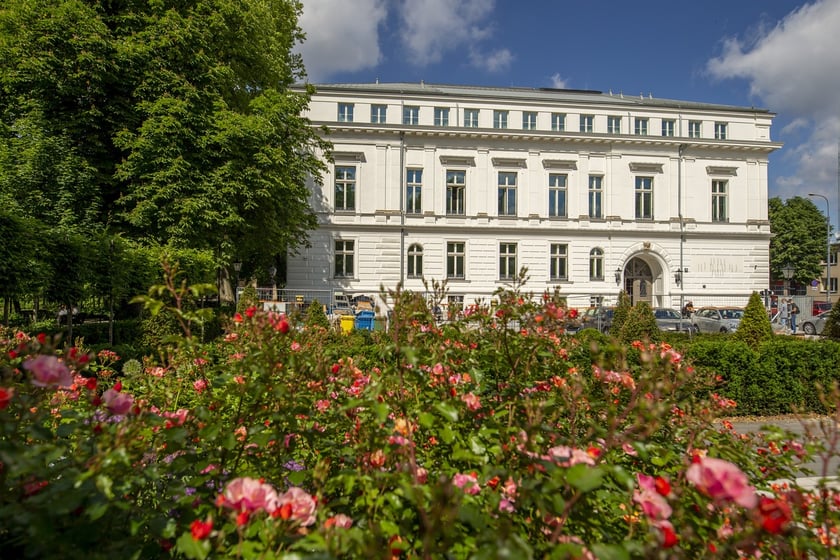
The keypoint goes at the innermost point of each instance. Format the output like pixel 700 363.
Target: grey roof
pixel 545 95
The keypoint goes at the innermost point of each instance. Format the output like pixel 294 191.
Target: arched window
pixel 596 264
pixel 415 261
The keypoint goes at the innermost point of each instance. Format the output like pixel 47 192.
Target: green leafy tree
pixel 799 238
pixel 315 316
pixel 171 122
pixel 754 327
pixel 832 325
pixel 640 325
pixel 622 311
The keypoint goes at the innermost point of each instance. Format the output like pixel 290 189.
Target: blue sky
pixel 782 55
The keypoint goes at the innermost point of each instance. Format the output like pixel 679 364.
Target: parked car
pixel 815 325
pixel 819 306
pixel 717 319
pixel 670 319
pixel 598 318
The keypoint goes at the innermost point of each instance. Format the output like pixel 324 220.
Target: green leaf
pixel 426 419
pixel 192 548
pixel 448 412
pixel 610 552
pixel 104 484
pixel 585 477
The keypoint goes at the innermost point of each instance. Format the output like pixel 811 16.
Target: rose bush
pixel 494 435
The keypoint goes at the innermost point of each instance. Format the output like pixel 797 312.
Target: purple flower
pixel 293 466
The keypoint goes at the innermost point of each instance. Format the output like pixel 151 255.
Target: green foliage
pixel 640 324
pixel 754 327
pixel 831 329
pixel 248 298
pixel 493 435
pixel 622 311
pixel 799 237
pixel 315 316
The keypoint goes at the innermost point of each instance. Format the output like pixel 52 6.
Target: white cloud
pixel 432 27
pixel 341 35
pixel 794 68
pixel 559 82
pixel 496 61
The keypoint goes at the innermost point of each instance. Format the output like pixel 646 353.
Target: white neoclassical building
pixel 592 192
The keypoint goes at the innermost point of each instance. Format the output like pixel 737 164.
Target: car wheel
pixel 809 328
pixel 723 329
pixel 696 329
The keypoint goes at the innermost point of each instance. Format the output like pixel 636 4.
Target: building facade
pixel 592 192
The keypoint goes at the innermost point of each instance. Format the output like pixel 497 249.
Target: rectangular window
pixel 596 193
pixel 587 123
pixel 834 258
pixel 377 114
pixel 694 129
pixel 345 112
pixel 529 120
pixel 500 119
pixel 720 131
pixel 507 261
pixel 614 125
pixel 641 127
pixel 345 188
pixel 559 261
pixel 471 118
pixel 668 126
pixel 557 195
pixel 455 259
pixel 456 187
pixel 558 122
pixel 343 258
pixel 507 193
pixel 441 116
pixel 719 201
pixel 414 191
pixel 644 198
pixel 411 114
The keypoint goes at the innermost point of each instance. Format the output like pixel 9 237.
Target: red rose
pixel 6 395
pixel 201 529
pixel 775 514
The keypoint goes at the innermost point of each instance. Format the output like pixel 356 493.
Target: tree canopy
pixel 799 238
pixel 169 122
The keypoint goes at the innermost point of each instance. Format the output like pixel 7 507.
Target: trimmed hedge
pixel 780 376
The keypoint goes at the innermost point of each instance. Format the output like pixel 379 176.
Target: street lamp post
pixel 827 247
pixel 272 271
pixel 788 271
pixel 237 266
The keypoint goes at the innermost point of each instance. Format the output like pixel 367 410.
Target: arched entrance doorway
pixel 638 281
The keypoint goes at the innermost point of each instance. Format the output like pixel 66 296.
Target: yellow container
pixel 347 323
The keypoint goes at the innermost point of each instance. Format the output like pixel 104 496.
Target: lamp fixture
pixel 618 276
pixel 678 276
pixel 788 271
pixel 237 266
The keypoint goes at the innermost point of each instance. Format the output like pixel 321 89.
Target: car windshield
pixel 667 314
pixel 731 313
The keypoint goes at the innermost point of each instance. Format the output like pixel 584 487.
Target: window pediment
pixel 508 162
pixel 349 156
pixel 721 170
pixel 641 167
pixel 468 161
pixel 567 164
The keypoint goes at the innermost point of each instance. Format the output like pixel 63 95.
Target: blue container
pixel 365 320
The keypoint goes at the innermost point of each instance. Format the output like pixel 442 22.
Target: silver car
pixel 670 319
pixel 717 319
pixel 815 325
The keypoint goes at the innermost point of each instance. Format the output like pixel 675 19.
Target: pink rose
pixel 116 402
pixel 569 456
pixel 341 521
pixel 296 504
pixel 721 481
pixel 48 371
pixel 653 504
pixel 249 495
pixel 199 385
pixel 472 401
pixel 467 482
